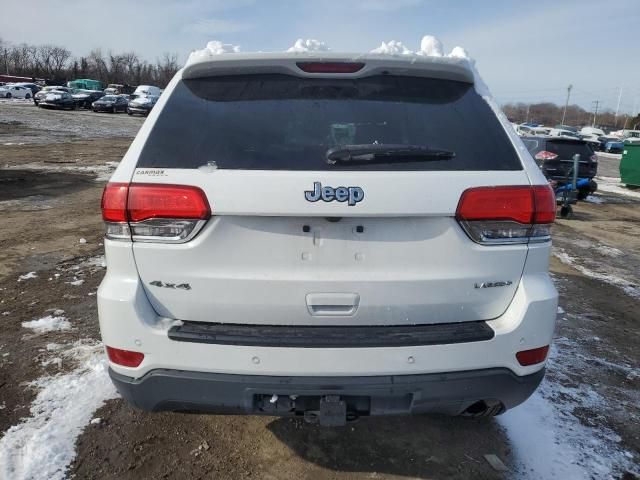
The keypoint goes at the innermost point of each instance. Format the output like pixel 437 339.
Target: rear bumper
pixel 128 321
pixel 450 393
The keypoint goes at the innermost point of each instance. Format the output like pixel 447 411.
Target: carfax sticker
pixel 151 172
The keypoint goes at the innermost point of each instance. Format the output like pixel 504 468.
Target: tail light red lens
pixel 510 214
pixel 544 155
pixel 166 201
pixel 533 356
pixel 114 202
pixel 154 212
pixel 330 67
pixel 126 358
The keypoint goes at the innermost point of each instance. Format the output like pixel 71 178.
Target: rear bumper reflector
pixel 331 336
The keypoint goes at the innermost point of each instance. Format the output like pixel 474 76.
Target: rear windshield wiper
pixel 385 153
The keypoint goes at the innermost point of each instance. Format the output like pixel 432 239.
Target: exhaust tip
pixel 484 409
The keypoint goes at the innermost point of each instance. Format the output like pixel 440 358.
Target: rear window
pixel 281 122
pixel 566 150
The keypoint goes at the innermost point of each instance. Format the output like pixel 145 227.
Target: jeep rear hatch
pixel 295 238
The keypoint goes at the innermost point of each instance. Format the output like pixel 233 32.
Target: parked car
pixel 35 88
pixel 614 146
pixel 85 84
pixel 141 105
pixel 558 132
pixel 566 127
pixel 335 242
pixel 58 99
pixel 110 103
pixel 48 89
pixel 15 91
pixel 147 90
pixel 554 156
pixel 85 98
pixel 528 131
pixel 598 132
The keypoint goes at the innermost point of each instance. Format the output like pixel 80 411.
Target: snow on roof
pixel 429 47
pixel 430 55
pixel 308 45
pixel 392 48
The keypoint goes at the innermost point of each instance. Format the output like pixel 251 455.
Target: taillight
pixel 147 212
pixel 330 67
pixel 126 358
pixel 544 155
pixel 507 215
pixel 533 356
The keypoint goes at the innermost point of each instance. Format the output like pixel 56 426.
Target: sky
pixel 525 50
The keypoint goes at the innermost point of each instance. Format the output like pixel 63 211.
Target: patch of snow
pixel 594 199
pixel 50 323
pixel 630 288
pixel 614 185
pixel 43 444
pixel 95 421
pixel 430 46
pixel 549 441
pixel 609 251
pixel 560 310
pixel 82 241
pixel 27 276
pixel 76 281
pixel 393 47
pixel 308 45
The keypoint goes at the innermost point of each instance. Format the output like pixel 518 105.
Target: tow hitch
pixel 332 413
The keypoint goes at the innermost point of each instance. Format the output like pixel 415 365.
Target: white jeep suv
pixel 306 234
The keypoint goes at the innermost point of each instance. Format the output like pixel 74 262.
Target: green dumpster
pixel 630 164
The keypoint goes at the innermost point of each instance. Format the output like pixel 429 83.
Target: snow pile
pixel 50 323
pixel 27 276
pixel 308 45
pixel 43 445
pixel 430 46
pixel 212 49
pixel 459 52
pixel 549 441
pixel 392 48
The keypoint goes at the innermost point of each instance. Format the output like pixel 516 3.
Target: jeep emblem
pixel 351 195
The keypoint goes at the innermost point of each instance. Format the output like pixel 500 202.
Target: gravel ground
pixel 61 418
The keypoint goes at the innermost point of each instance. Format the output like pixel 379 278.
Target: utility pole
pixel 566 103
pixel 595 113
pixel 615 118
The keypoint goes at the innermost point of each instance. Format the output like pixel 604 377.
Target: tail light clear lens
pixel 507 215
pixel 544 155
pixel 154 212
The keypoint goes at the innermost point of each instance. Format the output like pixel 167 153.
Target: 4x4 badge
pixel 352 195
pixel 179 286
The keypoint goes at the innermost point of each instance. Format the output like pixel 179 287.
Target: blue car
pixel 614 146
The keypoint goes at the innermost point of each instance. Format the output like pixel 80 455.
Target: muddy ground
pixel 52 170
